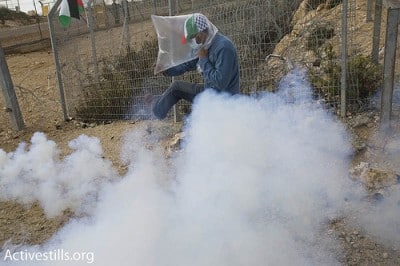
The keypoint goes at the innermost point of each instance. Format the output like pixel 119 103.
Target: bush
pixel 365 77
pixel 122 80
pixel 363 80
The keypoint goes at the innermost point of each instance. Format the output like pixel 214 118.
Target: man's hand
pixel 202 53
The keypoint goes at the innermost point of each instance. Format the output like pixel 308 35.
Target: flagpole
pixel 171 12
pixel 56 58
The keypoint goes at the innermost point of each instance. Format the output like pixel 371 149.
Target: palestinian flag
pixel 69 9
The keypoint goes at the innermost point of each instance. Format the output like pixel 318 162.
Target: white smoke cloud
pixel 259 177
pixel 34 173
pixel 256 182
pixel 381 219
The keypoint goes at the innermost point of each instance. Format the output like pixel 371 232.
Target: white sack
pixel 172 47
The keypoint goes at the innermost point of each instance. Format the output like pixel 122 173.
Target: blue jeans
pixel 178 90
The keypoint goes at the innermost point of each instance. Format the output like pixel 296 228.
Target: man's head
pixel 196 27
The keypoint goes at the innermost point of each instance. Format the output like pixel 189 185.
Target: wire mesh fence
pixel 105 59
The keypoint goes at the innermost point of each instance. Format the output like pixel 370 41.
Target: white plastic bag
pixel 173 49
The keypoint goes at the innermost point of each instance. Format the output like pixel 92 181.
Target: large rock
pixel 374 178
pixel 175 143
pixel 314 24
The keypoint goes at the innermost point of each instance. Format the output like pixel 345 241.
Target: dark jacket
pixel 220 68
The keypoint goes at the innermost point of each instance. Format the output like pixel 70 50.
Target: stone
pixel 175 143
pixel 374 178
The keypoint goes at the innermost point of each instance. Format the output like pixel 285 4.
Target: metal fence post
pixel 369 11
pixel 12 106
pixel 56 58
pixel 171 7
pixel 155 7
pixel 171 12
pixel 389 66
pixel 377 31
pixel 343 79
pixel 125 27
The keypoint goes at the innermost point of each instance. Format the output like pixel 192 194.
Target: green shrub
pixel 121 78
pixel 363 79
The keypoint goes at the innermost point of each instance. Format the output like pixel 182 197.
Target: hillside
pixel 11 18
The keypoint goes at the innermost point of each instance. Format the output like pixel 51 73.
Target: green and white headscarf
pixel 196 23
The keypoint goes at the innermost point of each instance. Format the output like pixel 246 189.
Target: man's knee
pixel 184 90
pixel 176 85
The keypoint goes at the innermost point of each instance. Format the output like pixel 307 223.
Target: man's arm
pixel 221 73
pixel 182 68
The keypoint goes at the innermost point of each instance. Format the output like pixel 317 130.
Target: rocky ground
pixel 378 170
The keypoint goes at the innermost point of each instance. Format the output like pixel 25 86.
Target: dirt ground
pixel 34 79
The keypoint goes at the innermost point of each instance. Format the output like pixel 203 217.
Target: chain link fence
pixel 105 60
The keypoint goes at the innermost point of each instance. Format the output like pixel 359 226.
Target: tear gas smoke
pixel 35 173
pixel 256 182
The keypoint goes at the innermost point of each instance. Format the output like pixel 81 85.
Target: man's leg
pixel 178 90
